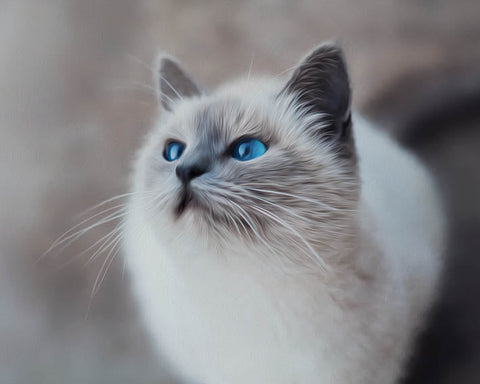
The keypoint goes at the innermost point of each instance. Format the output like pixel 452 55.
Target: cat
pixel 273 236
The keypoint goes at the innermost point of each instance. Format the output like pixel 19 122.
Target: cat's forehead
pixel 219 119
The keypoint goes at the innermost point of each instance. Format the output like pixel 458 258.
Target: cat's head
pixel 270 162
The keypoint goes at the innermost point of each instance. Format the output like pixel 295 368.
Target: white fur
pixel 224 315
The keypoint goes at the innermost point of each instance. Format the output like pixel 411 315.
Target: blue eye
pixel 173 151
pixel 248 149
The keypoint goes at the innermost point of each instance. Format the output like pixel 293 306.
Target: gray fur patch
pixel 321 86
pixel 174 83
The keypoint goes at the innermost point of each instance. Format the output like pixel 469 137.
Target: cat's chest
pixel 224 294
pixel 209 312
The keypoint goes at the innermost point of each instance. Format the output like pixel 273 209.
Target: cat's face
pixel 265 163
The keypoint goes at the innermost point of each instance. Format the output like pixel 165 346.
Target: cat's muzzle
pixel 186 198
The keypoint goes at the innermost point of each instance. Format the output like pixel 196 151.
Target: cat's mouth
pixel 187 200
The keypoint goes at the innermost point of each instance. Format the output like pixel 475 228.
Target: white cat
pixel 267 243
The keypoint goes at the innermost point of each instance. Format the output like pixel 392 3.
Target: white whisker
pixel 66 241
pixel 117 197
pixel 105 266
pixel 141 62
pixel 135 86
pixel 250 67
pixel 69 236
pixel 171 87
pixel 319 203
pixel 281 222
pixel 107 241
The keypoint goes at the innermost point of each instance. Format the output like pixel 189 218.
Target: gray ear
pixel 174 83
pixel 321 86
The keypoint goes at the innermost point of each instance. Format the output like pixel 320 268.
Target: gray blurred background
pixel 75 104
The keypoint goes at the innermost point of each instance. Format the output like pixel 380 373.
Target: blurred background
pixel 76 101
